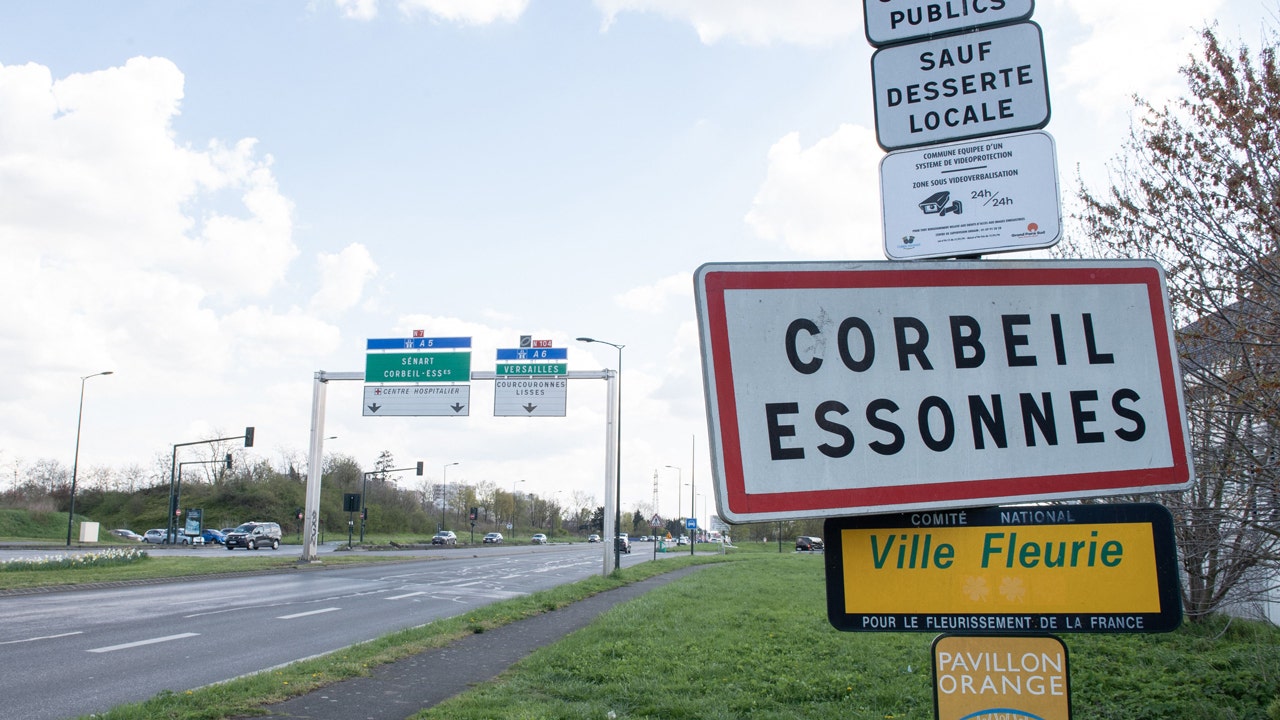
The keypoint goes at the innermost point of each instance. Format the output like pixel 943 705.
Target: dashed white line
pixel 406 595
pixel 42 637
pixel 309 612
pixel 140 643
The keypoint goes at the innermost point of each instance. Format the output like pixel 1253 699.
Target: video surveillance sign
pixel 995 194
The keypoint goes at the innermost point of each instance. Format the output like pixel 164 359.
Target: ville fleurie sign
pixel 963 86
pixel 1022 569
pixel 859 388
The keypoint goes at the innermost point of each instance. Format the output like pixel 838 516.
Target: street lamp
pixel 679 477
pixel 75 463
pixel 514 506
pixel 444 494
pixel 617 451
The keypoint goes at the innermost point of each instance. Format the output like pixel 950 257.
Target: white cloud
pixel 468 12
pixel 342 278
pixel 754 22
pixel 655 298
pixel 823 201
pixel 1129 47
pixel 125 249
pixel 358 9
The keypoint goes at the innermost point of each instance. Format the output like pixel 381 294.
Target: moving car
pixel 808 543
pixel 445 537
pixel 125 534
pixel 539 539
pixel 593 538
pixel 253 535
pixel 493 538
pixel 624 543
pixel 212 536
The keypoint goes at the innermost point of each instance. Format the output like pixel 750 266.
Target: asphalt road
pixel 67 654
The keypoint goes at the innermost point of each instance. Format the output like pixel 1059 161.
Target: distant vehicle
pixel 683 540
pixel 539 539
pixel 125 534
pixel 161 536
pixel 212 536
pixel 593 538
pixel 808 543
pixel 445 537
pixel 253 535
pixel 493 538
pixel 624 543
pixel 227 531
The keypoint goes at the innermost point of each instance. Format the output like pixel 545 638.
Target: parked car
pixel 493 538
pixel 445 537
pixel 593 538
pixel 161 536
pixel 214 536
pixel 624 543
pixel 125 534
pixel 808 543
pixel 253 535
pixel 683 540
pixel 539 539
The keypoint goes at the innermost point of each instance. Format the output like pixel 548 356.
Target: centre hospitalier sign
pixel 859 388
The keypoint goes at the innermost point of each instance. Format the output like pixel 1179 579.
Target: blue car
pixel 213 536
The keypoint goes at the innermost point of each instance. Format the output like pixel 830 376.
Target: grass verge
pixel 751 640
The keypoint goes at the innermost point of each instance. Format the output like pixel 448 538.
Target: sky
pixel 216 200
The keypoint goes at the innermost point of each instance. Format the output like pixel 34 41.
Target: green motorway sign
pixel 417 367
pixel 528 368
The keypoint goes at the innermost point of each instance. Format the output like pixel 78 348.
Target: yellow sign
pixel 1075 568
pixel 1037 569
pixel 1000 678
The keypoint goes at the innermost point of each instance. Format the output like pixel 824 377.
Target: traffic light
pixel 177 512
pixel 228 461
pixel 248 437
pixel 298 513
pixel 475 513
pixel 419 467
pixel 364 514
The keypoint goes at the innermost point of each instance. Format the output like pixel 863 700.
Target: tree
pixel 1198 189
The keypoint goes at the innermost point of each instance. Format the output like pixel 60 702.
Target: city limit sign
pixel 858 388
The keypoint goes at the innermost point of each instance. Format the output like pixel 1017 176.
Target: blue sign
pixel 691 523
pixel 422 343
pixel 533 353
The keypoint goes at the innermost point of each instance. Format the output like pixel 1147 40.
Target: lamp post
pixel 75 462
pixel 515 512
pixel 679 478
pixel 617 497
pixel 444 494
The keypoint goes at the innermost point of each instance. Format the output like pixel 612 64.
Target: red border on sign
pixel 716 283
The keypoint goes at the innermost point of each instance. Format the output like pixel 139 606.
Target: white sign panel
pixel 963 86
pixel 854 388
pixel 530 396
pixel 892 21
pixel 997 194
pixel 417 400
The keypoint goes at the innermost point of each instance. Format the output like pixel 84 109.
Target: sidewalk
pixel 397 690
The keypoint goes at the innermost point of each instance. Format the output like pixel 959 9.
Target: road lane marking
pixel 140 643
pixel 42 637
pixel 406 595
pixel 309 612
